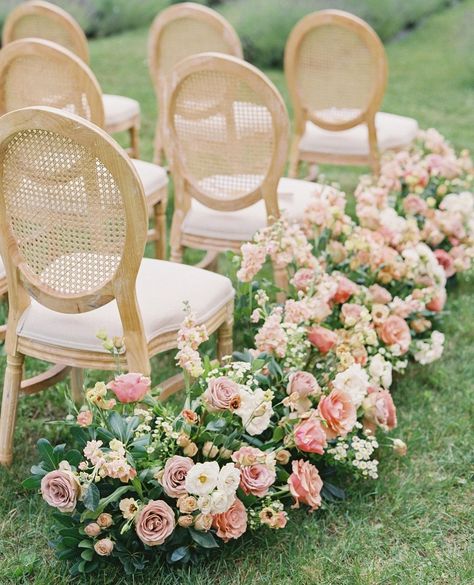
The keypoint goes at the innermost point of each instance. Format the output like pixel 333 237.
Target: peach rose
pixel 104 547
pixel 231 524
pixel 220 393
pixel 437 302
pixel 155 522
pixel 395 331
pixel 379 410
pixel 305 484
pixel 345 289
pixel 379 294
pixel 60 489
pixel 322 338
pixel 310 436
pixel 338 411
pixel 256 479
pixel 105 520
pixel 174 475
pixel 446 261
pixel 92 529
pixel 130 387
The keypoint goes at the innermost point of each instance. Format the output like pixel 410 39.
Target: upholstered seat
pixel 162 288
pixel 393 132
pixel 293 197
pixel 153 177
pixel 118 109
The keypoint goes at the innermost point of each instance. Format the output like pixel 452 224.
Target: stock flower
pixel 310 436
pixel 231 524
pixel 130 387
pixel 305 484
pixel 155 523
pixel 174 475
pixel 202 478
pixel 339 413
pixel 379 410
pixel 220 393
pixel 104 547
pixel 84 418
pixel 395 331
pixel 322 338
pixel 60 489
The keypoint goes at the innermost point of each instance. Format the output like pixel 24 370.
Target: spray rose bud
pixel 187 504
pixel 92 529
pixel 190 450
pixel 183 440
pixel 209 450
pixel 225 453
pixel 400 447
pixel 203 522
pixel 104 547
pixel 190 416
pixel 105 520
pixel 185 521
pixel 283 456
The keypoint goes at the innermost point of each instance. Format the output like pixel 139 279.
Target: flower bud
pixel 203 522
pixel 185 521
pixel 400 447
pixel 92 529
pixel 209 450
pixel 105 520
pixel 190 450
pixel 283 456
pixel 225 453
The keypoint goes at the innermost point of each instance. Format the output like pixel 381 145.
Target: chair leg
pixel 224 335
pixel 11 390
pixel 134 132
pixel 176 254
pixel 158 150
pixel 159 219
pixel 293 168
pixel 77 385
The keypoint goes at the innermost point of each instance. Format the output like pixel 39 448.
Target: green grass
pixel 413 526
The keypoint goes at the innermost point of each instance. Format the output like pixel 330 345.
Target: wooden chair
pixel 44 20
pixel 73 222
pixel 38 72
pixel 336 71
pixel 177 32
pixel 228 137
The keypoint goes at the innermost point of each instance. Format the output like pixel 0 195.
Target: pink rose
pixel 231 524
pixel 130 387
pixel 256 479
pixel 220 393
pixel 305 484
pixel 303 383
pixel 414 205
pixel 446 261
pixel 438 301
pixel 174 475
pixel 379 410
pixel 155 522
pixel 379 294
pixel 84 418
pixel 395 331
pixel 338 411
pixel 345 289
pixel 322 338
pixel 60 489
pixel 310 436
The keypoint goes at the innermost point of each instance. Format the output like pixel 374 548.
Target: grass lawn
pixel 413 526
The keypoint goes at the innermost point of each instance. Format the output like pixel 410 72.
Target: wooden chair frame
pixel 199 13
pixel 304 114
pixel 22 281
pixel 79 46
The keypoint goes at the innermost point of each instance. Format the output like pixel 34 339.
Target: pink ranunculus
pixel 257 479
pixel 60 489
pixel 231 524
pixel 220 393
pixel 395 331
pixel 130 387
pixel 174 475
pixel 84 418
pixel 305 484
pixel 345 289
pixel 310 436
pixel 446 261
pixel 438 301
pixel 379 410
pixel 303 383
pixel 414 205
pixel 338 411
pixel 155 523
pixel 379 294
pixel 322 338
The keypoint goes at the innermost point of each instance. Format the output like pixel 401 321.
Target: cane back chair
pixel 177 32
pixel 38 19
pixel 336 71
pixel 73 223
pixel 38 72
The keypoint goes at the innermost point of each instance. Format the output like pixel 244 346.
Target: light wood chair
pixel 228 137
pixel 336 71
pixel 177 32
pixel 73 222
pixel 38 19
pixel 38 72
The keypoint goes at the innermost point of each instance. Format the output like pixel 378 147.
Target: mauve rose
pixel 379 294
pixel 345 289
pixel 130 387
pixel 310 436
pixel 231 524
pixel 60 489
pixel 379 410
pixel 446 261
pixel 104 547
pixel 303 383
pixel 437 302
pixel 305 484
pixel 256 479
pixel 155 522
pixel 338 411
pixel 174 475
pixel 322 338
pixel 395 331
pixel 220 393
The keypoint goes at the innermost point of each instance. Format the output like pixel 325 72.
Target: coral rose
pixel 130 387
pixel 345 289
pixel 395 331
pixel 446 261
pixel 220 393
pixel 257 479
pixel 322 338
pixel 60 489
pixel 231 524
pixel 310 436
pixel 155 522
pixel 305 484
pixel 379 410
pixel 174 475
pixel 438 301
pixel 339 412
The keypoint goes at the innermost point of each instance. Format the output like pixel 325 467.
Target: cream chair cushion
pixel 293 197
pixel 162 288
pixel 392 132
pixel 153 177
pixel 118 109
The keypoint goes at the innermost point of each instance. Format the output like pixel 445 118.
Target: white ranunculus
pixel 221 502
pixel 354 381
pixel 229 479
pixel 255 411
pixel 202 478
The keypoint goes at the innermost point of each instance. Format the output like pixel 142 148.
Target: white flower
pixel 255 411
pixel 354 381
pixel 205 504
pixel 202 478
pixel 229 479
pixel 221 502
pixel 429 350
pixel 380 371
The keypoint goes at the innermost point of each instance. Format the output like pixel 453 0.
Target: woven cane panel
pixel 65 211
pixel 184 37
pixel 35 80
pixel 335 73
pixel 225 134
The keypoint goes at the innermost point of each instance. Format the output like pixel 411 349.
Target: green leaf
pixel 85 543
pixel 63 519
pixel 278 434
pixel 32 483
pixel 47 454
pixel 216 425
pixel 66 554
pixel 38 470
pixel 179 554
pixel 104 502
pixel 73 457
pixel 117 425
pixel 87 554
pixel 92 497
pixel 204 539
